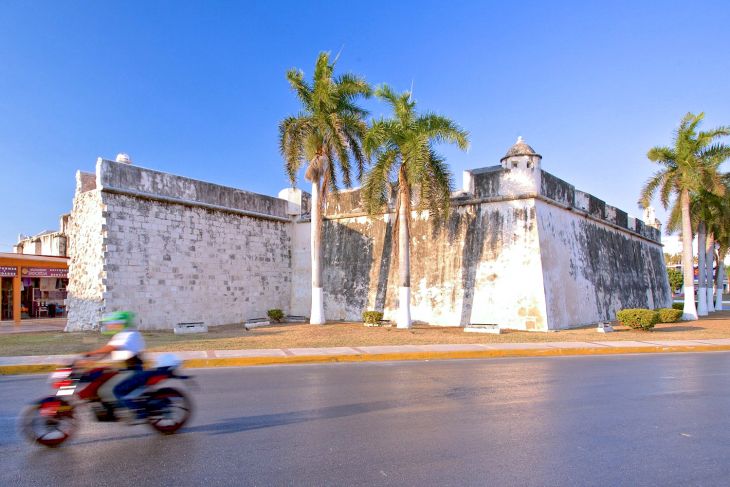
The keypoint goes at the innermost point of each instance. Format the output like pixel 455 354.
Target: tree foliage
pixel 692 163
pixel 326 135
pixel 404 158
pixel 675 279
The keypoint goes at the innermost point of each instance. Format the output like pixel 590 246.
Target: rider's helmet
pixel 112 323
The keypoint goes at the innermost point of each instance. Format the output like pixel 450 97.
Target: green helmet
pixel 113 323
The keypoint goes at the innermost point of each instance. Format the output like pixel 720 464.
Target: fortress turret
pixel 521 156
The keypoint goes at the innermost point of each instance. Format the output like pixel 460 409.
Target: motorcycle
pixel 52 420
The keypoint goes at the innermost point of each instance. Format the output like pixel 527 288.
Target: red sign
pixel 8 271
pixel 44 272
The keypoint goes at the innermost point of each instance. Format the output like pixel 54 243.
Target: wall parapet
pixel 490 185
pixel 85 181
pixel 120 178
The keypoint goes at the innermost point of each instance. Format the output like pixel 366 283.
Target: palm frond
pixel 441 129
pixel 377 182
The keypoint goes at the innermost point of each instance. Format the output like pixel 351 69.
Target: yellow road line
pixel 399 356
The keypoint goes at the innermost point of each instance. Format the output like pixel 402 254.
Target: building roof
pixel 520 149
pixel 33 258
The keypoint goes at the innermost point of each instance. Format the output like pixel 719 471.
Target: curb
pixel 399 356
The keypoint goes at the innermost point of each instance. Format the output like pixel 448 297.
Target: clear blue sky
pixel 198 88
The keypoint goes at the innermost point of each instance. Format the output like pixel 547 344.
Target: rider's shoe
pixel 54 435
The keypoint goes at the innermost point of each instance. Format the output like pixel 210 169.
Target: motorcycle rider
pixel 125 345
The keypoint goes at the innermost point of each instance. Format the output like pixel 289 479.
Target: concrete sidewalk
pixel 238 358
pixel 32 326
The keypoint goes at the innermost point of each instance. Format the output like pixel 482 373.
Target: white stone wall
pixel 520 250
pixel 173 263
pixel 523 249
pixel 482 266
pixel 86 263
pixel 301 268
pixel 591 269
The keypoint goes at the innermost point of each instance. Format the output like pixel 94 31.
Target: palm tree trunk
pixel 690 311
pixel 701 271
pixel 404 264
pixel 316 316
pixel 710 258
pixel 720 278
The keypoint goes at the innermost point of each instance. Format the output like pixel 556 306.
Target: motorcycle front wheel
pixel 49 421
pixel 168 409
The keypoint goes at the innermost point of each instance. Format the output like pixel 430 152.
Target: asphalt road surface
pixel 607 420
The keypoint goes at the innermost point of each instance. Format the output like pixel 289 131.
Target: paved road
pixel 609 420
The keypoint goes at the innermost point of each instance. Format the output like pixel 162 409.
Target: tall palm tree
pixel 404 158
pixel 706 209
pixel 721 230
pixel 689 166
pixel 326 137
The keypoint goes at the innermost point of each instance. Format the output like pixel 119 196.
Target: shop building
pixel 32 286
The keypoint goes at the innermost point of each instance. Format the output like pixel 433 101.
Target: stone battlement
pixel 496 183
pixel 127 179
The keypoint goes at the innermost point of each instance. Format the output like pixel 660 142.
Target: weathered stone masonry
pixel 521 248
pixel 174 249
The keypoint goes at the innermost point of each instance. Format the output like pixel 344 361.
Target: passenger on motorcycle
pixel 126 345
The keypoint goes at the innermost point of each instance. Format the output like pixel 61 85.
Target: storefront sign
pixel 44 272
pixel 8 271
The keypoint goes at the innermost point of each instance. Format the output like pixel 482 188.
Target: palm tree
pixel 720 229
pixel 689 166
pixel 326 138
pixel 722 237
pixel 706 211
pixel 402 149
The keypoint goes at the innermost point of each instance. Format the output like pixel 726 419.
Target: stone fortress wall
pixel 86 260
pixel 174 249
pixel 521 249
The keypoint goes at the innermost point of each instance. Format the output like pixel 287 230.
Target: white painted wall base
pixel 317 315
pixel 701 301
pixel 690 311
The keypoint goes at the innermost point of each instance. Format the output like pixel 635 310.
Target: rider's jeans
pixel 129 385
pixel 106 391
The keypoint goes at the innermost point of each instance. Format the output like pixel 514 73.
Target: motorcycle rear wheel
pixel 49 421
pixel 168 410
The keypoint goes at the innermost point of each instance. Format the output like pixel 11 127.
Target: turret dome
pixel 520 149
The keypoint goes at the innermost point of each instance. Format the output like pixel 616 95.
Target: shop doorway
pixel 43 297
pixel 6 298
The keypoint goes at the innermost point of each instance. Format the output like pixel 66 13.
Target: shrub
pixel 275 315
pixel 669 315
pixel 678 306
pixel 372 317
pixel 676 279
pixel 644 319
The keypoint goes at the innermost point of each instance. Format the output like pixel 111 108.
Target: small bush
pixel 275 315
pixel 643 319
pixel 678 306
pixel 372 317
pixel 669 315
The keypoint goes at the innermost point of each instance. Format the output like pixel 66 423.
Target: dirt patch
pixel 233 337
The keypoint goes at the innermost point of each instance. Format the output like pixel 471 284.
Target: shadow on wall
pixel 347 258
pixel 615 266
pixel 386 255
